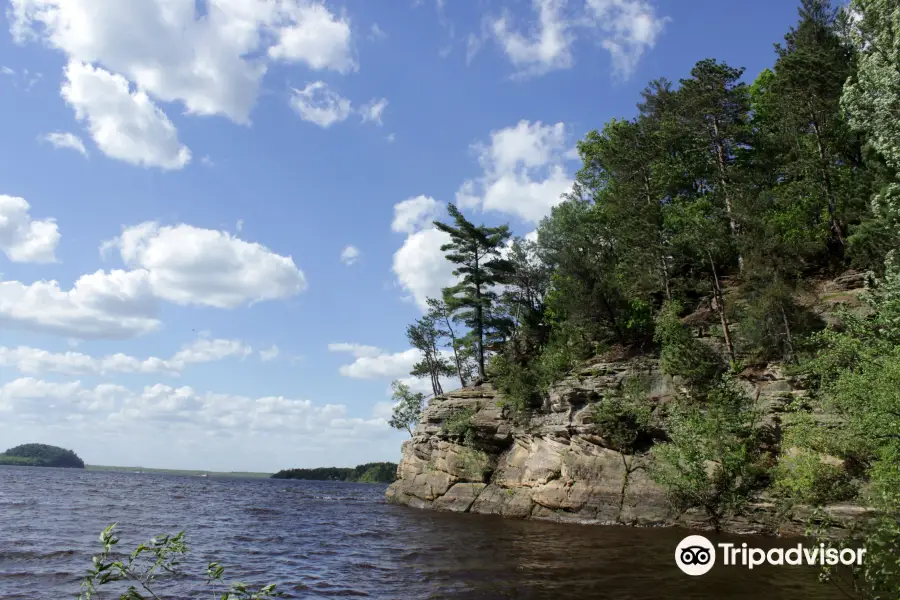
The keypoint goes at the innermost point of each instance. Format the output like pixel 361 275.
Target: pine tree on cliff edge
pixel 473 300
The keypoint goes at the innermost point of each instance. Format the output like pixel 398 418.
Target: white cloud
pixel 371 362
pixel 390 138
pixel 313 35
pixel 114 408
pixel 213 63
pixel 6 70
pixel 371 112
pixel 125 125
pixel 180 264
pixel 382 365
pixel 318 104
pixel 357 350
pixel 414 214
pixel 376 33
pixel 270 354
pixel 524 171
pixel 629 28
pixel 625 28
pixel 35 361
pixel 547 48
pixel 190 265
pixel 23 239
pixel 349 255
pixel 66 140
pixel 239 225
pixel 420 266
pixel 114 305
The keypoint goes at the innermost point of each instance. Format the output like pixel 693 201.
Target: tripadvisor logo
pixel 696 555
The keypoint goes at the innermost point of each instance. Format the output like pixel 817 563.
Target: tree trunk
pixel 723 183
pixel 479 319
pixel 836 227
pixel 720 302
pixel 459 371
pixel 787 330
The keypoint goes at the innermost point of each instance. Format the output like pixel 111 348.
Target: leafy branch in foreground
pixel 141 569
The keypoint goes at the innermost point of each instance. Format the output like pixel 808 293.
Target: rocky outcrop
pixel 555 467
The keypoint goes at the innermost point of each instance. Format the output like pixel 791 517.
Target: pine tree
pixel 481 268
pixel 424 335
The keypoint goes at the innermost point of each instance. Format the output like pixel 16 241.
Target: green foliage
pixel 461 426
pixel 379 472
pixel 41 455
pixel 407 407
pixel 160 558
pixel 623 420
pixel 681 353
pixel 806 478
pixel 712 462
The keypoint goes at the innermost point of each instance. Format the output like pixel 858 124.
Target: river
pixel 338 540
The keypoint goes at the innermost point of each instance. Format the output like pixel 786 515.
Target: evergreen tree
pixel 481 268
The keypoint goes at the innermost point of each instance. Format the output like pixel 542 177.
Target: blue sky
pixel 180 180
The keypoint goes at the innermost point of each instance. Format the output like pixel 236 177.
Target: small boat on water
pixel 203 475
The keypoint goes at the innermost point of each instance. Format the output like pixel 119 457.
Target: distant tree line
pixel 378 472
pixel 41 455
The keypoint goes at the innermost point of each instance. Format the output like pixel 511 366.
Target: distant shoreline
pixel 188 472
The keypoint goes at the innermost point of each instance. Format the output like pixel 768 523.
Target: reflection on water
pixel 334 540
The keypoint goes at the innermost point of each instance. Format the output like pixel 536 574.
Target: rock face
pixel 555 467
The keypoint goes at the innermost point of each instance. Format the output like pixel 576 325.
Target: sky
pixel 216 215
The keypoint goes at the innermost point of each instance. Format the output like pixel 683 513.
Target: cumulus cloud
pixel 71 141
pixel 114 305
pixel 212 62
pixel 371 112
pixel 356 350
pixel 35 361
pixel 524 171
pixel 371 362
pixel 547 48
pixel 180 264
pixel 627 29
pixel 311 34
pixel 318 104
pixel 414 214
pixel 269 354
pixel 113 407
pixel 23 239
pixel 125 125
pixel 420 266
pixel 350 255
pixel 191 265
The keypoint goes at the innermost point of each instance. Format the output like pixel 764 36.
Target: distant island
pixel 379 472
pixel 41 455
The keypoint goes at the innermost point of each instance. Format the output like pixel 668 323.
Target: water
pixel 337 540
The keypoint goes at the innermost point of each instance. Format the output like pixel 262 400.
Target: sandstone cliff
pixel 555 467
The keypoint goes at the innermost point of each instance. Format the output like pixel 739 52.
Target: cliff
pixel 555 467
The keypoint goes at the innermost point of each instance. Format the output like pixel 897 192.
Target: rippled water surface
pixel 335 540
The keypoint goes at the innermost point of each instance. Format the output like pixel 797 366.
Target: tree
pixel 440 314
pixel 408 407
pixel 714 108
pixel 710 462
pixel 872 97
pixel 473 300
pixel 424 335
